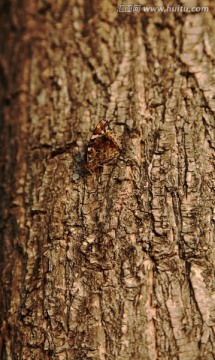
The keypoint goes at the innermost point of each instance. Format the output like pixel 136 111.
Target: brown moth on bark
pixel 103 147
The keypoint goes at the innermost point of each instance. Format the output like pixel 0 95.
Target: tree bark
pixel 117 263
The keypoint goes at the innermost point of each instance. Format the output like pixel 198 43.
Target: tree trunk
pixel 114 261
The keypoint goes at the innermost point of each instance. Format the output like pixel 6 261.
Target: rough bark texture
pixel 117 264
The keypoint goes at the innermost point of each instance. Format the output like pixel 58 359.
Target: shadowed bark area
pixel 116 263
